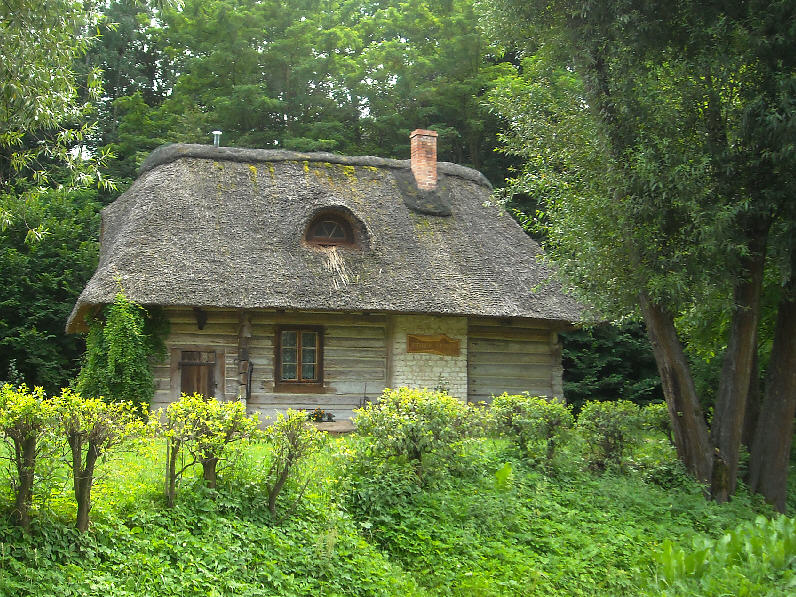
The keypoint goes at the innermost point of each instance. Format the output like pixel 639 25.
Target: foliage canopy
pixel 44 122
pixel 661 138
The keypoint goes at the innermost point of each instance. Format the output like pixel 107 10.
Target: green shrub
pixel 609 429
pixel 92 427
pixel 756 558
pixel 412 423
pixel 480 419
pixel 656 417
pixel 292 440
pixel 670 474
pixel 26 418
pixel 532 422
pixel 379 491
pixel 203 427
pixel 515 533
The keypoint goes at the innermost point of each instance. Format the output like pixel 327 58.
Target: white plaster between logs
pixel 422 370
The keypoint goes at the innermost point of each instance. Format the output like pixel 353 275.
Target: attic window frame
pixel 338 219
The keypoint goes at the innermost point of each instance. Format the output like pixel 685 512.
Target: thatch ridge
pixel 174 151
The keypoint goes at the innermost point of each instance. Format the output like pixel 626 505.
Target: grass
pixel 364 527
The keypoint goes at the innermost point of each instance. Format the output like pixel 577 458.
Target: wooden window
pixel 330 230
pixel 198 372
pixel 299 358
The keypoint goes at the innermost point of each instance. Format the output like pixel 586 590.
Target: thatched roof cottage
pixel 316 280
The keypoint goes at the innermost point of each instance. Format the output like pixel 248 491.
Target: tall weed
pixel 756 558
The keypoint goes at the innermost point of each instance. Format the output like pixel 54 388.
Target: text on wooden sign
pixel 438 344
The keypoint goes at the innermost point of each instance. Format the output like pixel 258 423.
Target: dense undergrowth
pixel 484 519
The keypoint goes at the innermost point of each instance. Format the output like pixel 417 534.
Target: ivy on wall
pixel 119 347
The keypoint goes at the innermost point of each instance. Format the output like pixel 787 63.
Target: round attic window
pixel 330 230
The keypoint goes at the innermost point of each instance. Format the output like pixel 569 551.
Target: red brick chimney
pixel 424 158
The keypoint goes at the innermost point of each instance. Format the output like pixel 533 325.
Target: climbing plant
pixel 118 349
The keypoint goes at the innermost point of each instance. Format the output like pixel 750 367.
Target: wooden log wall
pixel 514 357
pixel 354 362
pixel 219 332
pixel 502 356
pixel 354 358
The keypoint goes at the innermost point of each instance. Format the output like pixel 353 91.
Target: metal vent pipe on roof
pixel 216 138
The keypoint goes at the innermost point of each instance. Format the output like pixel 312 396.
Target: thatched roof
pixel 224 228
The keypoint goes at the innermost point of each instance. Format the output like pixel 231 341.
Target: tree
pixel 43 123
pixel 205 428
pixel 590 214
pixel 292 440
pixel 609 362
pixel 91 428
pixel 680 181
pixel 427 65
pixel 347 76
pixel 136 65
pixel 26 418
pixel 770 449
pixel 41 281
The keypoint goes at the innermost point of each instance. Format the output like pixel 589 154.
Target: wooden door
pixel 198 372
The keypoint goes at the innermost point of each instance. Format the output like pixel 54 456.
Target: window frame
pixel 341 221
pixel 298 385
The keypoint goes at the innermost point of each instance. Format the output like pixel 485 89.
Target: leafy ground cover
pixel 211 543
pixel 487 522
pixel 565 533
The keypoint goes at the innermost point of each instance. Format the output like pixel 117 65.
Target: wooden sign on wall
pixel 438 344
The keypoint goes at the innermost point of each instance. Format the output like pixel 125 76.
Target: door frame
pixel 175 375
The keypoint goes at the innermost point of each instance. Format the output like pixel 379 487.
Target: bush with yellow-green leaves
pixel 204 428
pixel 89 427
pixel 411 423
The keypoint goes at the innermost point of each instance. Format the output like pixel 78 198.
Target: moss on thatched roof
pixel 224 228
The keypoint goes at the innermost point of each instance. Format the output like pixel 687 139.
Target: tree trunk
pixel 768 466
pixel 551 450
pixel 209 472
pixel 26 467
pixel 736 371
pixel 688 424
pixel 752 402
pixel 83 481
pixel 690 432
pixel 274 491
pixel 76 446
pixel 172 451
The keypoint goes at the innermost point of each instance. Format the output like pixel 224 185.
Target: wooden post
pixel 244 333
pixel 556 368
